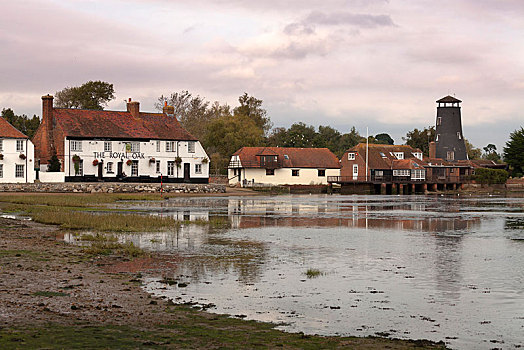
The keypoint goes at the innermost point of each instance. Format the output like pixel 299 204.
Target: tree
pixel 473 152
pixel 514 152
pixel 490 153
pixel 54 164
pixel 225 135
pixel 420 138
pixel 384 139
pixel 22 122
pixel 192 112
pixel 251 107
pixel 90 95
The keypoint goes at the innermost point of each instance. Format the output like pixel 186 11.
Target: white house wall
pixel 11 157
pixel 307 176
pixel 94 149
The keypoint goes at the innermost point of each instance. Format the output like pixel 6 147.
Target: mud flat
pixel 57 295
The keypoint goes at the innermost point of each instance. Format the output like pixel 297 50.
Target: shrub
pixel 490 176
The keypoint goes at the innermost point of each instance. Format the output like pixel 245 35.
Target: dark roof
pixel 380 156
pixel 113 124
pixel 296 157
pixel 449 99
pixel 9 131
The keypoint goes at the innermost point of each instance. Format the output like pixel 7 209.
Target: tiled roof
pixel 9 131
pixel 290 157
pixel 380 156
pixel 448 99
pixel 408 164
pixel 113 124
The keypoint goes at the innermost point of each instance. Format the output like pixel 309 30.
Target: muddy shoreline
pixel 49 288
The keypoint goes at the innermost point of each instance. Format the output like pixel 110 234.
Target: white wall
pixel 55 177
pixel 307 176
pixel 94 149
pixel 12 158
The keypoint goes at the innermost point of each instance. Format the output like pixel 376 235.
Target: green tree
pixel 514 152
pixel 54 164
pixel 490 153
pixel 22 122
pixel 420 138
pixel 473 152
pixel 384 139
pixel 90 95
pixel 226 134
pixel 251 107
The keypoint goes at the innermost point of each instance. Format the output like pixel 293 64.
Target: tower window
pixel 439 120
pixel 437 137
pixel 459 135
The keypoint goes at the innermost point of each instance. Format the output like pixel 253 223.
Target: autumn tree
pixel 22 122
pixel 514 152
pixel 251 108
pixel 420 138
pixel 90 95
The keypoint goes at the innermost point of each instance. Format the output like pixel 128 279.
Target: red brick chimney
pixel 169 110
pixel 47 112
pixel 133 107
pixel 432 149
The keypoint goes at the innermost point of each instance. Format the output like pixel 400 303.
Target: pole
pixel 367 152
pixel 161 188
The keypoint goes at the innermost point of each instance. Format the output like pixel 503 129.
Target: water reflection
pixel 414 267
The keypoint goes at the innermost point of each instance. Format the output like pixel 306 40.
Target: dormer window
pixel 459 135
pixel 351 156
pixel 417 155
pixel 437 137
pixel 399 155
pixel 286 156
pixel 382 155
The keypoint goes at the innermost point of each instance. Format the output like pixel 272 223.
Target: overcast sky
pixel 364 63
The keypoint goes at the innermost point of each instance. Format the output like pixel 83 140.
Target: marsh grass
pixel 313 273
pixel 77 200
pixel 50 294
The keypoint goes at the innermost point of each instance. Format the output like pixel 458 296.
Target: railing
pixel 397 179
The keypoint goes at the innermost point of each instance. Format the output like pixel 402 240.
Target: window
pixel 270 172
pixel 170 146
pixel 382 155
pixel 399 155
pixel 403 172
pixel 286 156
pixel 135 146
pixel 459 135
pixel 107 146
pixel 19 170
pixel 294 172
pixel 191 146
pixel 76 146
pixel 170 168
pixel 439 120
pixel 418 155
pixel 158 167
pixel 418 174
pixel 321 172
pixel 158 145
pixel 1 145
pixel 1 170
pixel 437 137
pixel 450 155
pixel 80 170
pixel 351 156
pixel 198 168
pixel 109 168
pixel 134 168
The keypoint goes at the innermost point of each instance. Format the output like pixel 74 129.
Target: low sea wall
pixel 112 187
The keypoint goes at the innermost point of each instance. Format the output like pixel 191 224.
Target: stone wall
pixel 112 187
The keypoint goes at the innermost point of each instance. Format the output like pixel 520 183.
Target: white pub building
pixel 17 155
pixel 99 145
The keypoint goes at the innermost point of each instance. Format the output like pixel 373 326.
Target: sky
pixel 376 64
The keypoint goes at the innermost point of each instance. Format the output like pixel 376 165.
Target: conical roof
pixel 449 99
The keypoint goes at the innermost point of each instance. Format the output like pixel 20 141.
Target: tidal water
pixel 413 267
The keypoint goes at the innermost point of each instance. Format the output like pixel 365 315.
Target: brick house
pixel 282 166
pixel 99 145
pixel 17 155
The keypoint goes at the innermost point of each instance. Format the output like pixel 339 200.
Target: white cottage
pixel 17 155
pixel 98 145
pixel 282 166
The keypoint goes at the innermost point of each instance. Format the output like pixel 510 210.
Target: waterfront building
pixel 252 166
pixel 17 155
pixel 100 145
pixel 449 139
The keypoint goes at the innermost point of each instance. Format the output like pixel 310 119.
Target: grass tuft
pixel 313 273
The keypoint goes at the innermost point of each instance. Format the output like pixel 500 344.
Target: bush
pixel 490 176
